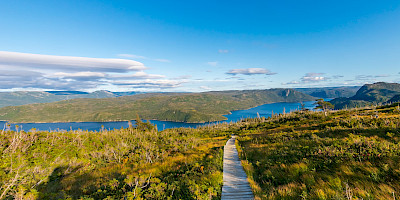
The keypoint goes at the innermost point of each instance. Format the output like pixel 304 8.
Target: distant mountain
pixel 330 92
pixel 66 92
pixel 370 94
pixel 29 97
pixel 120 94
pixel 183 107
pixel 23 97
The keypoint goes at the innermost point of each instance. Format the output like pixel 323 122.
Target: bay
pixel 265 110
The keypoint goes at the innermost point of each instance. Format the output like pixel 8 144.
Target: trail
pixel 236 185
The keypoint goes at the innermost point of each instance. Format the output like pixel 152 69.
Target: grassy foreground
pixel 348 154
pixel 133 163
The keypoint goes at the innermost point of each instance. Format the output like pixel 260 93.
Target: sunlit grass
pixel 133 163
pixel 351 154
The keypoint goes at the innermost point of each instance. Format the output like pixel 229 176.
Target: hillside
pixel 30 97
pixel 132 163
pixel 184 107
pixel 330 92
pixel 395 99
pixel 348 154
pixel 369 94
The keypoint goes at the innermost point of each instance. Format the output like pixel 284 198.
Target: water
pixel 263 110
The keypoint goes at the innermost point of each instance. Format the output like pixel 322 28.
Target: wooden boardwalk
pixel 236 185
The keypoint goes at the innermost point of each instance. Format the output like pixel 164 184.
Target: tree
pixel 143 126
pixel 303 107
pixel 323 105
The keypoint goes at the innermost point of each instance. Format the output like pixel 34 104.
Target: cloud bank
pixel 36 71
pixel 68 63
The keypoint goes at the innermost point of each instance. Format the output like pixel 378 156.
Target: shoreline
pixel 55 122
pixel 201 122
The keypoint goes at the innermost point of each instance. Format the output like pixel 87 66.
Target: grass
pixel 348 154
pixel 119 164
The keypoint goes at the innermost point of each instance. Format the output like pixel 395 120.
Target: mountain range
pixel 29 97
pixel 370 94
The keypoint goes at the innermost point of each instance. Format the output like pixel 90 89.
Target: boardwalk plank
pixel 236 185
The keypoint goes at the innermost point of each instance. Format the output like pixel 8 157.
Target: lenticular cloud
pixel 68 63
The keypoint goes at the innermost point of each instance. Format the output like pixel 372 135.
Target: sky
pixel 195 46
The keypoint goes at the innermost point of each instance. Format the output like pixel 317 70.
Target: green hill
pixel 330 92
pixel 183 107
pixel 30 97
pixel 395 99
pixel 369 94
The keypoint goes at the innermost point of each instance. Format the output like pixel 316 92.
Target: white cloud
pixel 39 72
pixel 223 51
pixel 213 63
pixel 205 87
pixel 69 63
pixel 250 71
pixel 162 84
pixel 137 75
pixel 80 75
pixel 310 78
pixel 313 77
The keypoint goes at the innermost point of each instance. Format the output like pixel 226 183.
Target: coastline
pixel 222 116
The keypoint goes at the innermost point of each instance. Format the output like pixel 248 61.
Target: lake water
pixel 263 110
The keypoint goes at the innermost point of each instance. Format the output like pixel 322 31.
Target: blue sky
pixel 197 45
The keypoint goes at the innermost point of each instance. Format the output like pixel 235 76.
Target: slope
pixel 369 94
pixel 186 107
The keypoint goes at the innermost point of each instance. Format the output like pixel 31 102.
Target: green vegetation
pixel 183 107
pixel 132 163
pixel 30 97
pixel 25 97
pixel 347 154
pixel 395 99
pixel 323 105
pixel 370 94
pixel 330 92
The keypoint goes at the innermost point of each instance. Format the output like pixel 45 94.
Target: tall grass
pixel 348 154
pixel 133 163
